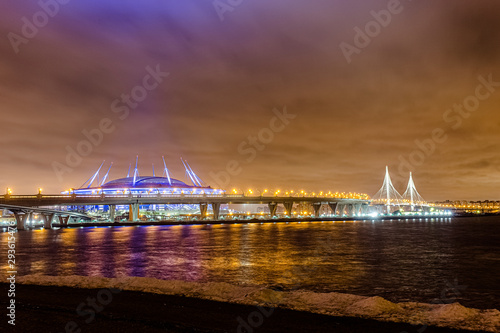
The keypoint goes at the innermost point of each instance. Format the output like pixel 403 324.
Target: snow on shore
pixel 336 304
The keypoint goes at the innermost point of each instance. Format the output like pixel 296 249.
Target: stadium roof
pixel 134 181
pixel 145 182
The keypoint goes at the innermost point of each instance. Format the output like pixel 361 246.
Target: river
pixel 425 260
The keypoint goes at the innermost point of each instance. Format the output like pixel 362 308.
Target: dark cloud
pixel 475 32
pixel 227 77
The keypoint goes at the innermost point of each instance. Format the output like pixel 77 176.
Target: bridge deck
pixel 80 200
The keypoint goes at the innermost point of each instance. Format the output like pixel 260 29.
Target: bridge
pixel 135 191
pixel 23 205
pixel 389 198
pixel 25 213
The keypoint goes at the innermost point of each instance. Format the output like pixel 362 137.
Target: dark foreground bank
pixel 54 309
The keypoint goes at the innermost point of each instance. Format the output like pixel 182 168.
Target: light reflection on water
pixel 398 260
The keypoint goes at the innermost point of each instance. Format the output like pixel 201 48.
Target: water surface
pixel 427 260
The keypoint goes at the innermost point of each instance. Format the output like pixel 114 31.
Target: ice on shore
pixel 337 304
pixel 373 307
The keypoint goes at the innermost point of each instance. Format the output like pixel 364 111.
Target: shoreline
pixel 43 308
pixel 251 221
pixel 258 221
pixel 335 306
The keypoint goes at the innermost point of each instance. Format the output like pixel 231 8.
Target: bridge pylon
pixel 387 195
pixel 411 194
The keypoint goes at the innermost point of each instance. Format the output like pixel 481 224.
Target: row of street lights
pixel 266 192
pixel 301 193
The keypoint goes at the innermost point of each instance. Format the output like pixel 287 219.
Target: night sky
pixel 348 116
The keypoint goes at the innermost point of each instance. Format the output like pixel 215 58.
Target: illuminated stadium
pixel 135 184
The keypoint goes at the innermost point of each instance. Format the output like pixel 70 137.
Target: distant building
pixel 471 206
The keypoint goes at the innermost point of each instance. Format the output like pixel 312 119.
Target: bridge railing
pixel 74 197
pixel 20 196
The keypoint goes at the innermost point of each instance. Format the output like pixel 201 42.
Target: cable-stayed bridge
pixel 391 201
pixel 121 197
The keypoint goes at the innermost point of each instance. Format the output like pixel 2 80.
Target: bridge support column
pixel 333 207
pixel 203 210
pixel 63 220
pixel 340 209
pixel 47 220
pixel 272 208
pixel 357 209
pixel 133 212
pixel 216 209
pixel 364 209
pixel 288 208
pixel 30 219
pixel 21 218
pixel 112 212
pixel 350 210
pixel 317 208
